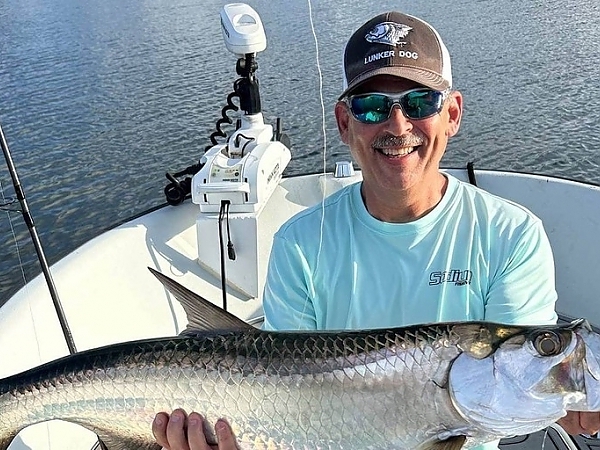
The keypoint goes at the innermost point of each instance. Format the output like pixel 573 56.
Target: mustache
pixel 390 140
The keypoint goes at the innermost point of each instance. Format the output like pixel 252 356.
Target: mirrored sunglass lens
pixel 422 104
pixel 372 108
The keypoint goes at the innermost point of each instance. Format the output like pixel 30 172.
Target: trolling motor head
pixel 242 28
pixel 244 36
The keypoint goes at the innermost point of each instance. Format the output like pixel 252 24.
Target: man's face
pixel 399 153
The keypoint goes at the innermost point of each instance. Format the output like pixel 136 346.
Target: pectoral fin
pixel 112 442
pixel 453 443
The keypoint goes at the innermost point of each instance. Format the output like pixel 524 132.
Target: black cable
pixel 249 139
pixel 230 249
pixel 225 119
pixel 224 205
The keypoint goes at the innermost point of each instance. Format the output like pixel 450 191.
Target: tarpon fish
pixel 439 386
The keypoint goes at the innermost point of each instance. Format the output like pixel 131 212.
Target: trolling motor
pixel 246 169
pixel 244 36
pixel 237 178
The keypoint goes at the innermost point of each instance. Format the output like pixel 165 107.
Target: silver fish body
pixel 293 390
pixel 400 389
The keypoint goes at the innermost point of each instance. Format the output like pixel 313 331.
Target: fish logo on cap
pixel 390 33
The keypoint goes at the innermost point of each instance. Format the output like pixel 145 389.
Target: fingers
pixel 171 431
pixel 195 433
pixel 198 438
pixel 176 431
pixel 590 422
pixel 225 436
pixel 579 422
pixel 159 429
pixel 179 432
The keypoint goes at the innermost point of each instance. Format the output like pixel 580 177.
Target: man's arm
pixel 522 291
pixel 288 294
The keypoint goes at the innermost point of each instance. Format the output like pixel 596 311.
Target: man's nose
pixel 398 124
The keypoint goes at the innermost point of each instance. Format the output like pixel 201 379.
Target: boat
pixel 214 236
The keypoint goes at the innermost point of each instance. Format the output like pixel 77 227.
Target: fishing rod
pixel 37 244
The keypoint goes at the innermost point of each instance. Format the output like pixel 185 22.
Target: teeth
pixel 397 151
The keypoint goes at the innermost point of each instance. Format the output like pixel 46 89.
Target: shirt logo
pixel 390 33
pixel 456 276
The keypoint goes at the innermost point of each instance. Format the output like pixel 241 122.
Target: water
pixel 98 99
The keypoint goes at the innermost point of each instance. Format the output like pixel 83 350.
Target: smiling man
pixel 409 244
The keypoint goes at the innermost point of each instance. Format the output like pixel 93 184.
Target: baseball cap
pixel 397 44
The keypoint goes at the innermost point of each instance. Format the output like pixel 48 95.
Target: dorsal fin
pixel 202 315
pixel 452 443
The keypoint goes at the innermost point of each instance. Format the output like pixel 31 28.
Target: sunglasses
pixel 376 107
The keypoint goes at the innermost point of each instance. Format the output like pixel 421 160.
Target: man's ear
pixel 342 117
pixel 455 109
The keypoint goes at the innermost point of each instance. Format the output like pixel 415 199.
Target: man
pixel 409 244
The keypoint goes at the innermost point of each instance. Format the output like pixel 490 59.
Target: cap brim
pixel 424 77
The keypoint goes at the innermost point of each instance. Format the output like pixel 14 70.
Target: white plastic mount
pixel 245 171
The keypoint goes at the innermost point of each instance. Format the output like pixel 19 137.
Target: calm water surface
pixel 99 98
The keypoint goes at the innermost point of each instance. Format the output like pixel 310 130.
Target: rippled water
pixel 99 98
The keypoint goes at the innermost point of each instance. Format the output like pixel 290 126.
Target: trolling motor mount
pixel 246 87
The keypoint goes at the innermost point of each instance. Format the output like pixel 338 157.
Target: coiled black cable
pixel 225 119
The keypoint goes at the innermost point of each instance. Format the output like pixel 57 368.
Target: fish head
pixel 529 380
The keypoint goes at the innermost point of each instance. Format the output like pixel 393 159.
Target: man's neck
pixel 405 206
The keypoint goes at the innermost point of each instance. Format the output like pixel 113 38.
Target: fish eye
pixel 548 343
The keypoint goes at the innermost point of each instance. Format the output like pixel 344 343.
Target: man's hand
pixel 179 432
pixel 576 422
